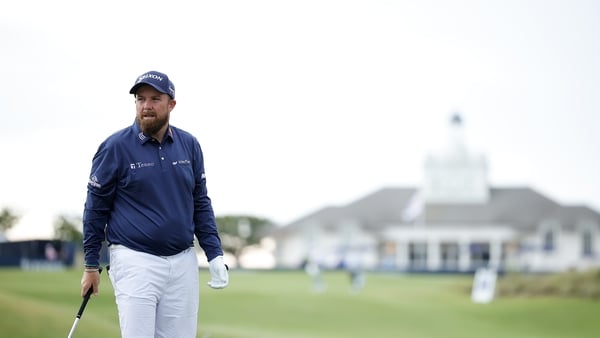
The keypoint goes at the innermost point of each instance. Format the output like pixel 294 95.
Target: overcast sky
pixel 302 104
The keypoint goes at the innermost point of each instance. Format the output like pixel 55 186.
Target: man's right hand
pixel 91 278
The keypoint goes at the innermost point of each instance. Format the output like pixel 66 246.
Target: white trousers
pixel 157 296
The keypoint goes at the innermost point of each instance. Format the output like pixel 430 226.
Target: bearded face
pixel 150 123
pixel 153 110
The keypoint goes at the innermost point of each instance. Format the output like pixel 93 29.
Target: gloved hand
pixel 219 277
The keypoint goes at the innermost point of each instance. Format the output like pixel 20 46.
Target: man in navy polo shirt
pixel 147 197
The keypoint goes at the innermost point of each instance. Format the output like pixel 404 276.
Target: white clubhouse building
pixel 454 222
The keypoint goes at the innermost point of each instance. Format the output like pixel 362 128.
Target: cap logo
pixel 151 76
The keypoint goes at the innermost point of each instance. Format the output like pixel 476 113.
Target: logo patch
pixel 138 165
pixel 93 181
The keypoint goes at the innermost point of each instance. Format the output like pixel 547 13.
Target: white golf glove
pixel 219 277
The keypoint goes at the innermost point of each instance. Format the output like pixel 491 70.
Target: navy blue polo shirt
pixel 149 196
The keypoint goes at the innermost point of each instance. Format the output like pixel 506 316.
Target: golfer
pixel 147 197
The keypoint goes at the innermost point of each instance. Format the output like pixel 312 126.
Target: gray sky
pixel 302 104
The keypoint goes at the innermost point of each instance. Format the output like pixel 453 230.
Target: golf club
pixel 86 298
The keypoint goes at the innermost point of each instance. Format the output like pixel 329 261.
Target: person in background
pixel 147 198
pixel 313 270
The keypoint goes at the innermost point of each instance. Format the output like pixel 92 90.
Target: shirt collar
pixel 169 134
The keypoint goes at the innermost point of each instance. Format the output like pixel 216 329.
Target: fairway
pixel 282 304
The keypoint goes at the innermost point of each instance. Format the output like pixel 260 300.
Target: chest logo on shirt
pixel 181 162
pixel 138 165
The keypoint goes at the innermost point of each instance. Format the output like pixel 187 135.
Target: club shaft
pixel 86 298
pixel 73 328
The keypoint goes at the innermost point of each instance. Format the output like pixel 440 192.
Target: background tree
pixel 7 219
pixel 68 229
pixel 238 232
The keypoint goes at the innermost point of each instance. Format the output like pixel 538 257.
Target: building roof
pixel 519 207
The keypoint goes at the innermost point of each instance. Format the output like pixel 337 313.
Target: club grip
pixel 86 298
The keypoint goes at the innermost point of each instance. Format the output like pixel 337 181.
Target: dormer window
pixel 587 243
pixel 549 232
pixel 548 243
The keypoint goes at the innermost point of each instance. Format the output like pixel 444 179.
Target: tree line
pixel 237 231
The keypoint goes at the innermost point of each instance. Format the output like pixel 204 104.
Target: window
pixel 417 252
pixel 480 254
pixel 587 243
pixel 549 232
pixel 548 241
pixel 449 256
pixel 388 252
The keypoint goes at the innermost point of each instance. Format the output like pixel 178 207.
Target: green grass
pixel 282 304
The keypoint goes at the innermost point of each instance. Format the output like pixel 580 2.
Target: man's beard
pixel 152 126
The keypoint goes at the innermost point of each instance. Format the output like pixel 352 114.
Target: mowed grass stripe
pixel 26 317
pixel 283 304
